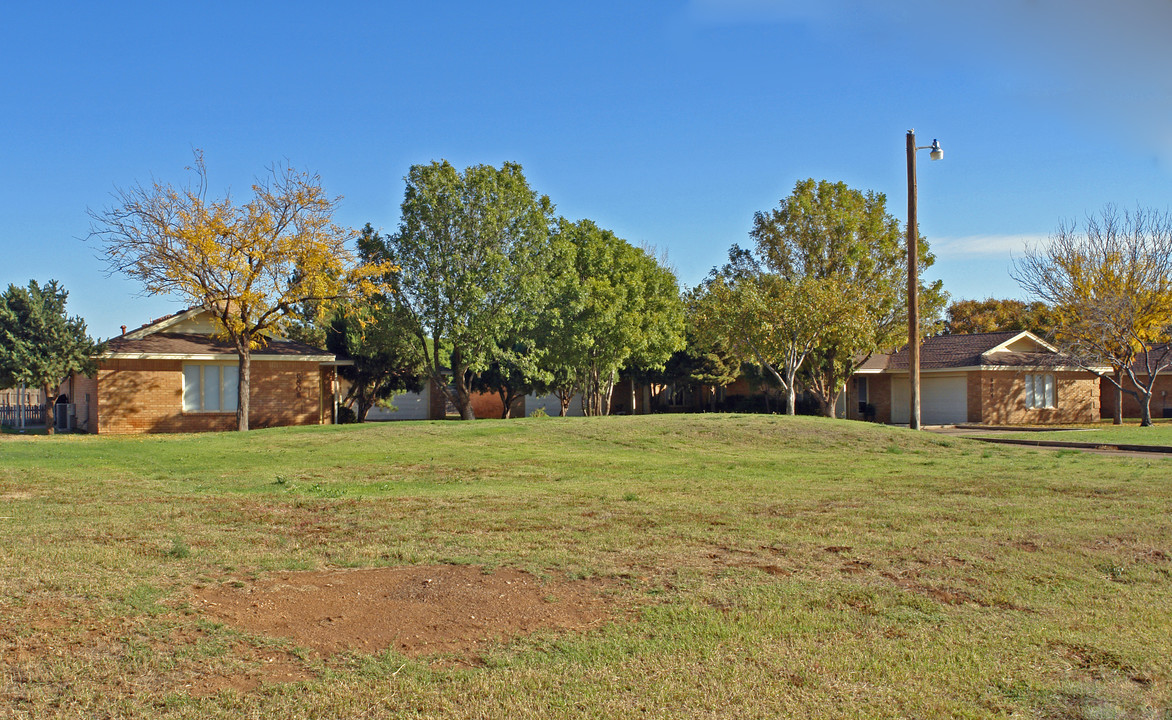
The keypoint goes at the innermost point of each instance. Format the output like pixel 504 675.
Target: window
pixel 861 393
pixel 1040 391
pixel 210 388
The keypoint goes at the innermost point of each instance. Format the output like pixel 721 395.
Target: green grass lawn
pixel 768 567
pixel 1127 434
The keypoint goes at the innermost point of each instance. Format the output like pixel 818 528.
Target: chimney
pixel 123 329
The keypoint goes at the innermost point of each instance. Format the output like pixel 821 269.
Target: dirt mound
pixel 414 610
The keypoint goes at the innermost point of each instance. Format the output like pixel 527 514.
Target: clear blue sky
pixel 669 122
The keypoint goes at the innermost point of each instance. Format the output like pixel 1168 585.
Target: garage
pixel 552 406
pixel 943 400
pixel 405 406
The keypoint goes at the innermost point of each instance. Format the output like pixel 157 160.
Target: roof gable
pixel 1024 342
pixel 162 324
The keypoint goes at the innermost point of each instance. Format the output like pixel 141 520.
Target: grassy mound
pixel 769 566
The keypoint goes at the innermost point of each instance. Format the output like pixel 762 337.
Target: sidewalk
pixel 968 431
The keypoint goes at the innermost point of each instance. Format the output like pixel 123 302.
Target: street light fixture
pixel 913 280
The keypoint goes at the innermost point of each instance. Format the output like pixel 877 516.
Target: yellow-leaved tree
pixel 1110 284
pixel 248 265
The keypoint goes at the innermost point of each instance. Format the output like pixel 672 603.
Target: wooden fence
pixel 33 415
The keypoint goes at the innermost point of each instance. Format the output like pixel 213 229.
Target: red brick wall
pixel 998 398
pixel 1161 398
pixel 976 407
pixel 484 405
pixel 138 396
pixel 878 395
pixel 487 406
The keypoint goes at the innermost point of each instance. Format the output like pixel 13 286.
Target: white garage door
pixel 407 406
pixel 943 400
pixel 552 406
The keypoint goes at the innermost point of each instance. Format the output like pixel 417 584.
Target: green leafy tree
pixel 471 269
pixel 379 339
pixel 966 317
pixel 705 361
pixel 845 240
pixel 769 319
pixel 514 372
pixel 616 306
pixel 39 344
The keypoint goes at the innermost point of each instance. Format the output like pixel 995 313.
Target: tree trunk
pixel 791 395
pixel 632 395
pixel 564 399
pixel 50 419
pixel 242 386
pixel 463 397
pixel 829 403
pixel 592 393
pixel 1117 419
pixel 1146 410
pixel 608 396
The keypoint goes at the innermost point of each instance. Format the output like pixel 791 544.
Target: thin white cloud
pixel 984 245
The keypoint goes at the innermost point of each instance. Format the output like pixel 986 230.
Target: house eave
pixel 209 357
pixel 1000 368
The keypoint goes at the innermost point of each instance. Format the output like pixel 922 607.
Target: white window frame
pixel 1041 391
pixel 226 393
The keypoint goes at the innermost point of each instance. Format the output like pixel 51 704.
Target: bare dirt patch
pixel 413 610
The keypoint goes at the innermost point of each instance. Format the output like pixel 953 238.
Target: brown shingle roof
pixel 956 351
pixel 1158 357
pixel 949 351
pixel 189 344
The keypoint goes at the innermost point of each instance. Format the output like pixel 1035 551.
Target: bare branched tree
pixel 1110 283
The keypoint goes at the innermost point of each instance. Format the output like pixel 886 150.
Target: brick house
pixel 1001 378
pixel 175 375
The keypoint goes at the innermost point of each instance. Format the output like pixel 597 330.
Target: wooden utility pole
pixel 913 289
